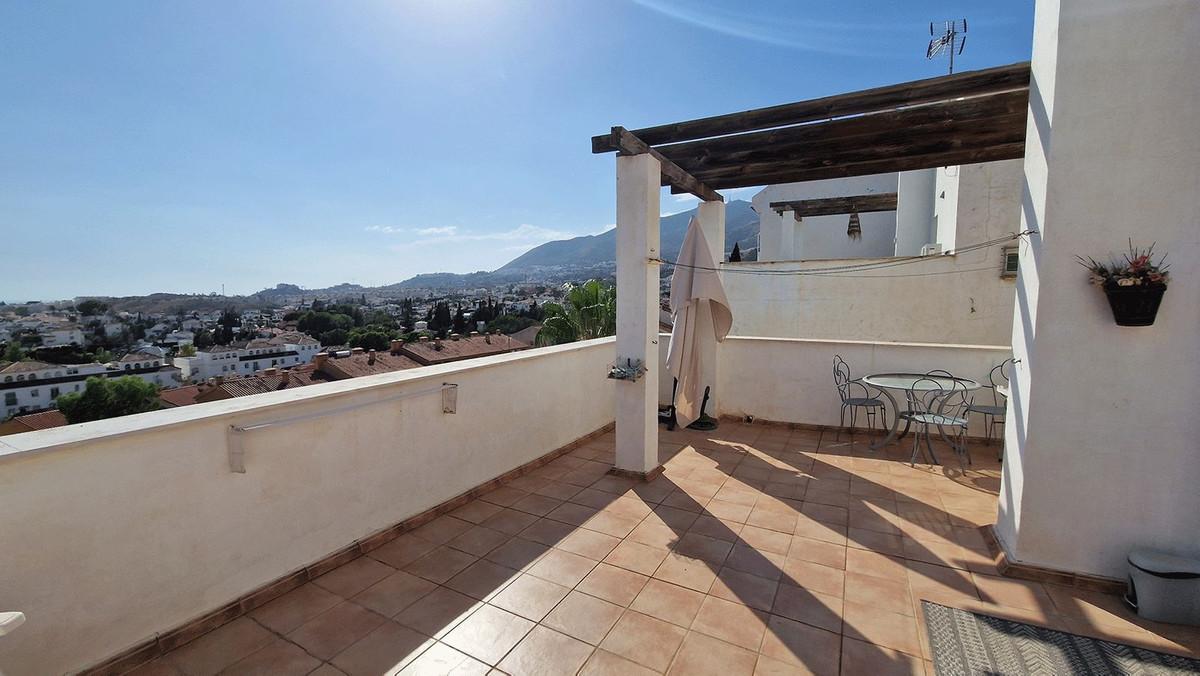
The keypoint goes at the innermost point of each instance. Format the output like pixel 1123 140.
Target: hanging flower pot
pixel 1135 305
pixel 1134 286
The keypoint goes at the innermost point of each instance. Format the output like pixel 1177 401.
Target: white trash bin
pixel 1164 587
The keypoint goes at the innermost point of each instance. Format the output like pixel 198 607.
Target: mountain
pixel 589 251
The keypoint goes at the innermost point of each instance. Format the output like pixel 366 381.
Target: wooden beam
pixel 992 153
pixel 673 175
pixel 830 206
pixel 971 83
pixel 945 117
pixel 883 149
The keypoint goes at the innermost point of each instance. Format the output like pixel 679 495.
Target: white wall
pixel 825 236
pixel 914 211
pixel 118 529
pixel 791 380
pixel 1103 440
pixel 966 301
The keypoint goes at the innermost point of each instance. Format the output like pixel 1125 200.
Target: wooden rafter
pixel 959 119
pixel 672 174
pixel 971 83
pixel 830 206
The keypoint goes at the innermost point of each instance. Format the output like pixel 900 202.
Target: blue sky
pixel 178 146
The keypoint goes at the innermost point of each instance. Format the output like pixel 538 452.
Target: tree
pixel 13 352
pixel 735 256
pixel 203 339
pixel 588 311
pixel 108 398
pixel 334 337
pixel 187 351
pixel 371 338
pixel 91 307
pixel 460 321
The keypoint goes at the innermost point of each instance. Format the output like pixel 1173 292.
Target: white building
pixel 31 386
pixel 283 351
pixel 58 335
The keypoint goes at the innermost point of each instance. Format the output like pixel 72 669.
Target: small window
pixel 33 393
pixel 1012 262
pixel 10 399
pixel 54 393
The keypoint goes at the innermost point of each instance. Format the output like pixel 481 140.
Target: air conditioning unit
pixel 932 249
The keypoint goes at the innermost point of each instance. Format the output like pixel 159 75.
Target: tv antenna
pixel 951 42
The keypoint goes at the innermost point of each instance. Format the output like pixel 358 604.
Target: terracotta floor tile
pixel 509 521
pixel 805 649
pixel 863 562
pixel 545 652
pixel 727 511
pixel 612 524
pixel 402 551
pixel 815 577
pixel 680 499
pixel 482 579
pixel 764 539
pixel 818 530
pixel 488 634
pixel 744 588
pixel 441 564
pixel 538 505
pixel 437 612
pixel 638 557
pixel 221 647
pixel 394 593
pixel 686 572
pixel 476 511
pixel 571 513
pixel 750 560
pixel 673 517
pixel 817 551
pixel 558 490
pixel 613 584
pixel 530 597
pixel 335 630
pixel 1009 592
pixel 479 541
pixel 157 667
pixel 859 657
pixel 504 495
pixel 604 663
pixel 562 568
pixel 518 553
pixel 644 640
pixel 351 578
pixel 383 651
pixel 711 526
pixel 442 660
pixel 812 608
pixel 731 622
pixel 880 543
pixel 891 630
pixel 327 669
pixel 784 522
pixel 277 658
pixel 588 543
pixel 703 655
pixel 593 498
pixel 584 617
pixel 547 531
pixel 880 593
pixel 442 529
pixel 668 602
pixel 654 534
pixel 294 608
pixel 702 547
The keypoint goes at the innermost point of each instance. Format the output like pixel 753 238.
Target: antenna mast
pixel 951 42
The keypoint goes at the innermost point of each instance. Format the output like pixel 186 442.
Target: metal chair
pixel 944 408
pixel 847 388
pixel 993 413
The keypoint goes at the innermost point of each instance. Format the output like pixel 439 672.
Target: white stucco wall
pixel 825 236
pixel 1103 440
pixel 914 211
pixel 791 380
pixel 118 529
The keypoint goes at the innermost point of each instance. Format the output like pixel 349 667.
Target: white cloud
pixel 447 230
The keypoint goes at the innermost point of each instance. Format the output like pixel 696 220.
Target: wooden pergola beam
pixel 832 206
pixel 993 153
pixel 971 83
pixel 672 175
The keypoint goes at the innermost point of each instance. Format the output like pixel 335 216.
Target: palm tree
pixel 589 311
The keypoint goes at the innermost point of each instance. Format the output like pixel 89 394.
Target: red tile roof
pixel 41 421
pixel 465 347
pixel 359 364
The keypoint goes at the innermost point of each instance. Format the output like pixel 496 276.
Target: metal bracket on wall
pixel 234 433
pixel 632 370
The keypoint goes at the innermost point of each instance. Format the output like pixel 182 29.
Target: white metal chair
pixel 848 390
pixel 943 408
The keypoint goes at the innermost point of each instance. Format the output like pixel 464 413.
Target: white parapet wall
pixel 791 380
pixel 114 530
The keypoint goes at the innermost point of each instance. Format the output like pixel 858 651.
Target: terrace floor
pixel 761 550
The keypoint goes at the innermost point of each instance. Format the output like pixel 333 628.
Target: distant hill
pixel 741 226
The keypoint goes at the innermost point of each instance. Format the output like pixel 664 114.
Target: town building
pixel 33 386
pixel 283 351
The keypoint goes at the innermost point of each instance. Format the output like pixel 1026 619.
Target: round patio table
pixel 906 382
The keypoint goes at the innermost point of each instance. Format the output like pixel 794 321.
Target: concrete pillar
pixel 712 221
pixel 1101 436
pixel 771 242
pixel 914 210
pixel 796 250
pixel 638 193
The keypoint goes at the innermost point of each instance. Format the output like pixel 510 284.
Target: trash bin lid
pixel 1163 563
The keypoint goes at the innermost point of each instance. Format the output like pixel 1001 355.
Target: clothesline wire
pixel 861 267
